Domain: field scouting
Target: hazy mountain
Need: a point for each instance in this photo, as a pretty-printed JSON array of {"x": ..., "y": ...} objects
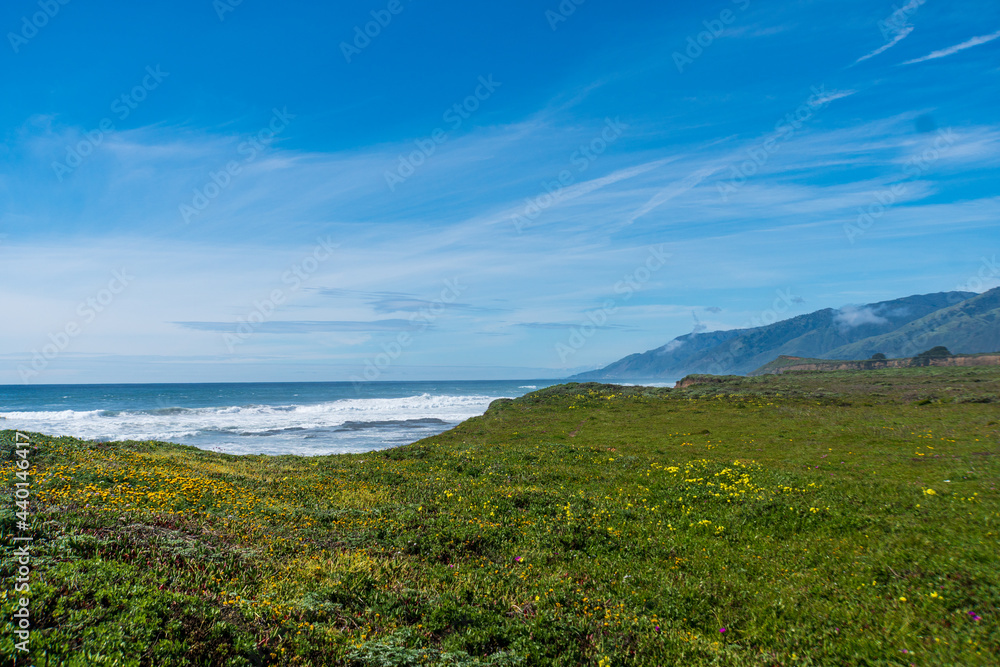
[
  {"x": 967, "y": 327},
  {"x": 961, "y": 321}
]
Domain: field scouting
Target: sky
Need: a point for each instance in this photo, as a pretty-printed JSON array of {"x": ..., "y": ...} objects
[{"x": 224, "y": 191}]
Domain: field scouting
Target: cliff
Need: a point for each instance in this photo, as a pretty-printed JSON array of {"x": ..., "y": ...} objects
[{"x": 785, "y": 364}]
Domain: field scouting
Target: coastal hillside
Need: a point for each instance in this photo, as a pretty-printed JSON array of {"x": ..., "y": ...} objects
[
  {"x": 962, "y": 321},
  {"x": 970, "y": 326},
  {"x": 799, "y": 519},
  {"x": 785, "y": 364}
]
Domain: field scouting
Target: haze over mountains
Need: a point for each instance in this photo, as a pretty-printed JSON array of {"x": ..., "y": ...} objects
[{"x": 964, "y": 322}]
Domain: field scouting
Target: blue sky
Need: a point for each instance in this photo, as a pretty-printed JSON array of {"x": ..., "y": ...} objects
[{"x": 201, "y": 191}]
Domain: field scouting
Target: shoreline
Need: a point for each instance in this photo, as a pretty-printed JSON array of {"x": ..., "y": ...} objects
[{"x": 507, "y": 538}]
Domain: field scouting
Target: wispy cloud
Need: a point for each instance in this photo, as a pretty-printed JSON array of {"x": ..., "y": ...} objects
[
  {"x": 454, "y": 219},
  {"x": 394, "y": 302},
  {"x": 699, "y": 326},
  {"x": 307, "y": 327},
  {"x": 850, "y": 317},
  {"x": 580, "y": 190},
  {"x": 758, "y": 30},
  {"x": 831, "y": 96},
  {"x": 673, "y": 190},
  {"x": 951, "y": 50},
  {"x": 900, "y": 36},
  {"x": 563, "y": 326}
]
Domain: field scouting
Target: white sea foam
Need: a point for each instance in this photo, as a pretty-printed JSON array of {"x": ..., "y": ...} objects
[{"x": 283, "y": 427}]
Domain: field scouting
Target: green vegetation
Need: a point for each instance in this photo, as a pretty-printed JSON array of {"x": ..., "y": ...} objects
[
  {"x": 938, "y": 351},
  {"x": 966, "y": 326},
  {"x": 812, "y": 518},
  {"x": 937, "y": 356},
  {"x": 784, "y": 361}
]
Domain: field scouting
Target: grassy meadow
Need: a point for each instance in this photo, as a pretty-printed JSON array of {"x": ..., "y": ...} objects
[{"x": 802, "y": 519}]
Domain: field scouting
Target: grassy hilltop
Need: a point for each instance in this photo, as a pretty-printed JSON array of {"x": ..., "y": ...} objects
[{"x": 816, "y": 518}]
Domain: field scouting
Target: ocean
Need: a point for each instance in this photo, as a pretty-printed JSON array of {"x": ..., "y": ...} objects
[{"x": 311, "y": 419}]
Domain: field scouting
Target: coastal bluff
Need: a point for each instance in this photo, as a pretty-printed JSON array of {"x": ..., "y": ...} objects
[{"x": 785, "y": 364}]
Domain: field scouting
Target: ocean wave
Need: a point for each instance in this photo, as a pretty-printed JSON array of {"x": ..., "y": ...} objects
[
  {"x": 232, "y": 423},
  {"x": 393, "y": 423}
]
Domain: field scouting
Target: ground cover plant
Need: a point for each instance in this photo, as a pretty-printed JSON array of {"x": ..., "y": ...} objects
[{"x": 809, "y": 518}]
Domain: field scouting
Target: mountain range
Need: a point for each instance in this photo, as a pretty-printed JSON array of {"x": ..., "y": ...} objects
[{"x": 964, "y": 322}]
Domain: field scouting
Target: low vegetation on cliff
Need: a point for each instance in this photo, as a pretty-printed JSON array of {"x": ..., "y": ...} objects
[
  {"x": 936, "y": 356},
  {"x": 824, "y": 518}
]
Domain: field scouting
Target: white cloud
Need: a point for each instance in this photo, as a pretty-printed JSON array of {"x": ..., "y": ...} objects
[
  {"x": 831, "y": 96},
  {"x": 757, "y": 30},
  {"x": 968, "y": 44},
  {"x": 900, "y": 36},
  {"x": 850, "y": 317},
  {"x": 671, "y": 346},
  {"x": 673, "y": 190},
  {"x": 433, "y": 228},
  {"x": 575, "y": 191}
]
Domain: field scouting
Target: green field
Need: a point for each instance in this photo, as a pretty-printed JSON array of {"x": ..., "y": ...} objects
[{"x": 802, "y": 519}]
